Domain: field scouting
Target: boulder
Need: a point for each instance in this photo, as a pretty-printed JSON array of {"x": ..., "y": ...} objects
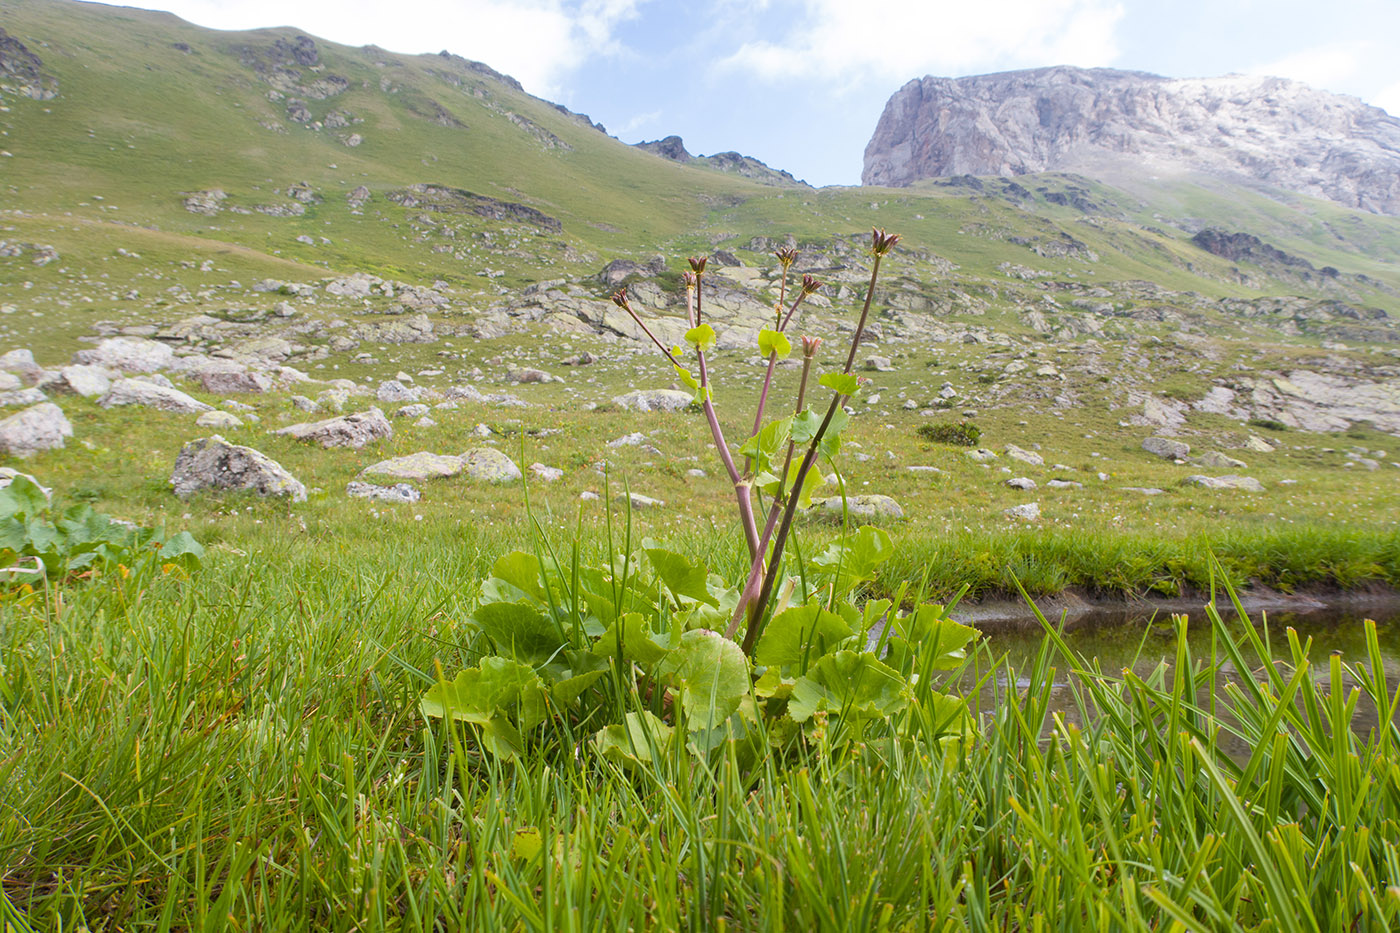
[
  {"x": 150, "y": 395},
  {"x": 418, "y": 467},
  {"x": 1021, "y": 482},
  {"x": 654, "y": 400},
  {"x": 862, "y": 508},
  {"x": 1229, "y": 481},
  {"x": 395, "y": 391},
  {"x": 1025, "y": 456},
  {"x": 354, "y": 431},
  {"x": 547, "y": 473},
  {"x": 1027, "y": 513},
  {"x": 218, "y": 419},
  {"x": 399, "y": 492},
  {"x": 487, "y": 464},
  {"x": 1166, "y": 448},
  {"x": 42, "y": 427},
  {"x": 228, "y": 383},
  {"x": 18, "y": 397},
  {"x": 213, "y": 463},
  {"x": 1214, "y": 458},
  {"x": 128, "y": 354},
  {"x": 78, "y": 379}
]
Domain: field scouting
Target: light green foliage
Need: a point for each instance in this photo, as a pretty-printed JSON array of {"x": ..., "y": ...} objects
[
  {"x": 37, "y": 543},
  {"x": 701, "y": 338},
  {"x": 500, "y": 696},
  {"x": 799, "y": 633},
  {"x": 841, "y": 383},
  {"x": 774, "y": 343},
  {"x": 853, "y": 685}
]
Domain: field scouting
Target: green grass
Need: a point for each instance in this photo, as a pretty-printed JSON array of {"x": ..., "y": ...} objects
[{"x": 244, "y": 749}]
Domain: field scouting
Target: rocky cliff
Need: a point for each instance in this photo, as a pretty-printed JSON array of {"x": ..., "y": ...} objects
[{"x": 1105, "y": 122}]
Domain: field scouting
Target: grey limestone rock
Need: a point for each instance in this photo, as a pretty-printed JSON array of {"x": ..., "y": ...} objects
[
  {"x": 227, "y": 383},
  {"x": 654, "y": 400},
  {"x": 1029, "y": 512},
  {"x": 487, "y": 464},
  {"x": 213, "y": 463},
  {"x": 150, "y": 395},
  {"x": 219, "y": 419},
  {"x": 1230, "y": 481},
  {"x": 1215, "y": 459},
  {"x": 1025, "y": 456},
  {"x": 867, "y": 508},
  {"x": 128, "y": 354},
  {"x": 353, "y": 431},
  {"x": 399, "y": 492},
  {"x": 41, "y": 427},
  {"x": 1166, "y": 448}
]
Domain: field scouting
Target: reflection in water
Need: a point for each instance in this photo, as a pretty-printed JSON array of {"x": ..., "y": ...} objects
[{"x": 1140, "y": 643}]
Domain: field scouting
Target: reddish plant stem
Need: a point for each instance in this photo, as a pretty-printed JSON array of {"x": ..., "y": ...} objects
[{"x": 770, "y": 578}]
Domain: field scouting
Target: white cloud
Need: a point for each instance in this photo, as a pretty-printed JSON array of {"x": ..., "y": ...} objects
[
  {"x": 539, "y": 42},
  {"x": 1325, "y": 66},
  {"x": 846, "y": 42},
  {"x": 1388, "y": 99}
]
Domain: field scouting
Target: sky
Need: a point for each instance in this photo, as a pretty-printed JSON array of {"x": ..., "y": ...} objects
[{"x": 800, "y": 84}]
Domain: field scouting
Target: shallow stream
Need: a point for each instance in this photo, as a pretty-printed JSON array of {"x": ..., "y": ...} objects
[{"x": 1137, "y": 639}]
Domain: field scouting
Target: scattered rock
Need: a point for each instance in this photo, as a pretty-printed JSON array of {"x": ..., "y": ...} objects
[
  {"x": 867, "y": 508},
  {"x": 981, "y": 455},
  {"x": 42, "y": 427},
  {"x": 1258, "y": 445},
  {"x": 79, "y": 379},
  {"x": 1021, "y": 482},
  {"x": 1145, "y": 490},
  {"x": 416, "y": 410},
  {"x": 150, "y": 395},
  {"x": 654, "y": 400},
  {"x": 1029, "y": 512},
  {"x": 879, "y": 364},
  {"x": 395, "y": 391},
  {"x": 30, "y": 396},
  {"x": 213, "y": 463},
  {"x": 640, "y": 501},
  {"x": 486, "y": 464},
  {"x": 419, "y": 467},
  {"x": 635, "y": 439},
  {"x": 1167, "y": 448},
  {"x": 1025, "y": 456},
  {"x": 227, "y": 382},
  {"x": 1064, "y": 484},
  {"x": 1229, "y": 481},
  {"x": 128, "y": 354},
  {"x": 218, "y": 419},
  {"x": 353, "y": 431},
  {"x": 547, "y": 473},
  {"x": 399, "y": 492},
  {"x": 1214, "y": 458}
]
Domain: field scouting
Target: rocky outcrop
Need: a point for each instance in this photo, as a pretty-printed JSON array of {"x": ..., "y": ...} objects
[
  {"x": 21, "y": 71},
  {"x": 442, "y": 199},
  {"x": 42, "y": 427},
  {"x": 213, "y": 463},
  {"x": 1095, "y": 121},
  {"x": 732, "y": 163}
]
